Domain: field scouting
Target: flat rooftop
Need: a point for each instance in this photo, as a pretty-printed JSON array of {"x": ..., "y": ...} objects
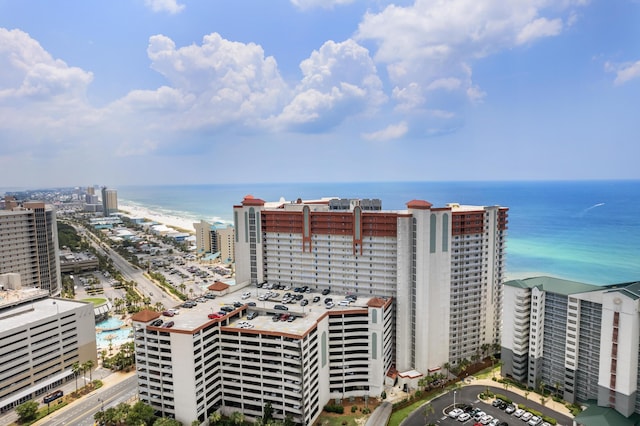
[
  {"x": 190, "y": 319},
  {"x": 31, "y": 307}
]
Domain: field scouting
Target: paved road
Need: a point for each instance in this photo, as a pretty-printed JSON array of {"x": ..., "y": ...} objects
[
  {"x": 81, "y": 412},
  {"x": 132, "y": 273},
  {"x": 469, "y": 395}
]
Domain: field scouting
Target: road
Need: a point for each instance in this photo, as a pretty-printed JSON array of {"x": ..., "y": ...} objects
[
  {"x": 469, "y": 395},
  {"x": 81, "y": 412},
  {"x": 132, "y": 273}
]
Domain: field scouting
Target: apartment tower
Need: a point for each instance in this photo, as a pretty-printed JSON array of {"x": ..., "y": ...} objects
[
  {"x": 29, "y": 245},
  {"x": 109, "y": 201},
  {"x": 443, "y": 266}
]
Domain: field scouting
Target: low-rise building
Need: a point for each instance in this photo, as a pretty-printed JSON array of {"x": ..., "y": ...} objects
[{"x": 40, "y": 339}]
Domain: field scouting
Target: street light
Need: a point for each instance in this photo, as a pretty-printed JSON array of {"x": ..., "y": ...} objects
[{"x": 454, "y": 399}]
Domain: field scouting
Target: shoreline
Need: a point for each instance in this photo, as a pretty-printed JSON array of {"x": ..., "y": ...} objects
[{"x": 179, "y": 223}]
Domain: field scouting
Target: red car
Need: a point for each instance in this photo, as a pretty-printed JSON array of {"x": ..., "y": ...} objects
[
  {"x": 168, "y": 313},
  {"x": 214, "y": 316}
]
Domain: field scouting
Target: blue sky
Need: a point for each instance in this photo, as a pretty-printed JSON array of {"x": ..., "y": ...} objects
[{"x": 170, "y": 91}]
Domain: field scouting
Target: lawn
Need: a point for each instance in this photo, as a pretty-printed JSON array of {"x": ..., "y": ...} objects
[{"x": 97, "y": 301}]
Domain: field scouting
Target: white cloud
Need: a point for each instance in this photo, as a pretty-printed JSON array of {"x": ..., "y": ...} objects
[
  {"x": 393, "y": 131},
  {"x": 431, "y": 44},
  {"x": 539, "y": 28},
  {"x": 325, "y": 4},
  {"x": 624, "y": 73},
  {"x": 339, "y": 80},
  {"x": 171, "y": 6}
]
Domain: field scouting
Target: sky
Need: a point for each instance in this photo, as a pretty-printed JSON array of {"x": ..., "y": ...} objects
[{"x": 144, "y": 92}]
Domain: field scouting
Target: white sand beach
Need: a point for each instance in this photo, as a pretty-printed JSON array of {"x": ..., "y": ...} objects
[{"x": 172, "y": 221}]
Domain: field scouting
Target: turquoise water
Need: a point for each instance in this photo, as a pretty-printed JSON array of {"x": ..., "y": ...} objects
[
  {"x": 118, "y": 337},
  {"x": 587, "y": 231},
  {"x": 110, "y": 323}
]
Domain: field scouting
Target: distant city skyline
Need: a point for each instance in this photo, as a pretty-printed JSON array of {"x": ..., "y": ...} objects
[{"x": 170, "y": 91}]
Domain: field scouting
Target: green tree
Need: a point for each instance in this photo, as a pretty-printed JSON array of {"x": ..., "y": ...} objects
[
  {"x": 140, "y": 413},
  {"x": 215, "y": 417},
  {"x": 447, "y": 366},
  {"x": 288, "y": 420},
  {"x": 27, "y": 411},
  {"x": 237, "y": 418},
  {"x": 90, "y": 364},
  {"x": 267, "y": 413},
  {"x": 75, "y": 369},
  {"x": 196, "y": 422},
  {"x": 166, "y": 422},
  {"x": 428, "y": 410}
]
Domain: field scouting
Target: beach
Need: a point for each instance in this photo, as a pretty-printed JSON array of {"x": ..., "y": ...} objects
[{"x": 169, "y": 220}]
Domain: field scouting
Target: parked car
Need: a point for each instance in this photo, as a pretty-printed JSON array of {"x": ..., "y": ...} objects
[
  {"x": 214, "y": 316},
  {"x": 280, "y": 307},
  {"x": 510, "y": 409},
  {"x": 157, "y": 323},
  {"x": 526, "y": 416},
  {"x": 168, "y": 324},
  {"x": 316, "y": 299},
  {"x": 519, "y": 412},
  {"x": 326, "y": 291},
  {"x": 455, "y": 413},
  {"x": 168, "y": 313},
  {"x": 246, "y": 295},
  {"x": 252, "y": 315},
  {"x": 535, "y": 421},
  {"x": 464, "y": 417}
]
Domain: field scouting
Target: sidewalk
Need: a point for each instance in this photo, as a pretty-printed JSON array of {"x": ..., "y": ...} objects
[
  {"x": 108, "y": 380},
  {"x": 533, "y": 396}
]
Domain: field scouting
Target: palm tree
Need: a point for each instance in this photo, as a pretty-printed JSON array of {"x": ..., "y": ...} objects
[
  {"x": 75, "y": 368},
  {"x": 447, "y": 366},
  {"x": 237, "y": 418},
  {"x": 428, "y": 410},
  {"x": 215, "y": 417},
  {"x": 485, "y": 348},
  {"x": 90, "y": 364}
]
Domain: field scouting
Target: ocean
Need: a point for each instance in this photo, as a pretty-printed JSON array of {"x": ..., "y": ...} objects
[{"x": 587, "y": 231}]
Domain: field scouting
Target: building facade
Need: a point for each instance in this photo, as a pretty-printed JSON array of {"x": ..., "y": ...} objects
[
  {"x": 29, "y": 245},
  {"x": 444, "y": 266},
  {"x": 40, "y": 340},
  {"x": 109, "y": 201},
  {"x": 215, "y": 239},
  {"x": 191, "y": 365},
  {"x": 577, "y": 340}
]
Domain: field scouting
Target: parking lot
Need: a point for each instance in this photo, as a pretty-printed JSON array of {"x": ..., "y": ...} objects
[{"x": 468, "y": 395}]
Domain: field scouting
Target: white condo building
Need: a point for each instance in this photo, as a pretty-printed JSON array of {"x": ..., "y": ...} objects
[
  {"x": 29, "y": 245},
  {"x": 40, "y": 339},
  {"x": 428, "y": 282},
  {"x": 578, "y": 340},
  {"x": 191, "y": 365},
  {"x": 444, "y": 266}
]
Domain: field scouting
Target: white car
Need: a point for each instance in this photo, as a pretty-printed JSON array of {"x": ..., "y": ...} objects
[
  {"x": 464, "y": 417},
  {"x": 526, "y": 416},
  {"x": 486, "y": 419},
  {"x": 535, "y": 421},
  {"x": 519, "y": 412},
  {"x": 455, "y": 413},
  {"x": 246, "y": 295},
  {"x": 494, "y": 422},
  {"x": 479, "y": 415}
]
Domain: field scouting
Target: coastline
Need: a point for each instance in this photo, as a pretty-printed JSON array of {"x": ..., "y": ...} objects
[{"x": 179, "y": 223}]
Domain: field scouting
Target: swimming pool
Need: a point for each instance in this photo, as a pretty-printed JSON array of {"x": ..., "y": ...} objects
[{"x": 114, "y": 332}]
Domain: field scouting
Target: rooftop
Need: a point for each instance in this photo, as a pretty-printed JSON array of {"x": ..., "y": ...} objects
[{"x": 192, "y": 319}]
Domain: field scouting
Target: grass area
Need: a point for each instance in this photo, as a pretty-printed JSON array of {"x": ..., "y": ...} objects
[
  {"x": 398, "y": 416},
  {"x": 97, "y": 301}
]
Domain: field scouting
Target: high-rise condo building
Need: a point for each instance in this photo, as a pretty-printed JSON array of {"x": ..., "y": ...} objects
[
  {"x": 40, "y": 339},
  {"x": 109, "y": 201},
  {"x": 577, "y": 340},
  {"x": 215, "y": 239},
  {"x": 364, "y": 297},
  {"x": 29, "y": 245},
  {"x": 443, "y": 266}
]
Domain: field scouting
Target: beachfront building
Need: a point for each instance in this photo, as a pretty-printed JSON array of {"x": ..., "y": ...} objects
[
  {"x": 40, "y": 339},
  {"x": 442, "y": 266},
  {"x": 193, "y": 364},
  {"x": 29, "y": 245},
  {"x": 109, "y": 201},
  {"x": 577, "y": 340},
  {"x": 215, "y": 239}
]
